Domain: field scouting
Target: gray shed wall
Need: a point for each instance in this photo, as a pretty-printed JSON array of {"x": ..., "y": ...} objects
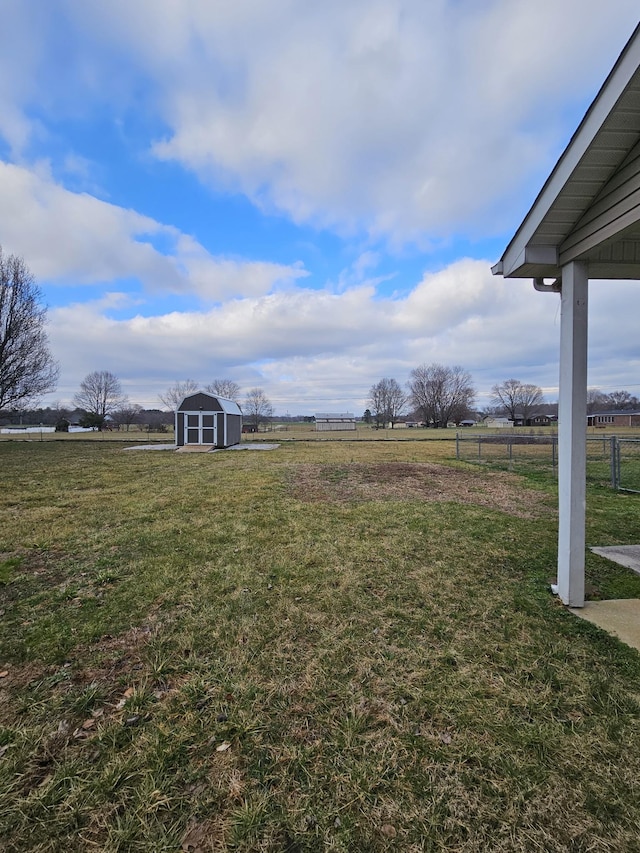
[{"x": 234, "y": 429}]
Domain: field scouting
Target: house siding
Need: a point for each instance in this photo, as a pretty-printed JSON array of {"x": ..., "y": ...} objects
[{"x": 614, "y": 419}]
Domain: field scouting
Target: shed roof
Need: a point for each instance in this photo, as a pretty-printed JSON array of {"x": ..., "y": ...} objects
[
  {"x": 589, "y": 207},
  {"x": 228, "y": 406}
]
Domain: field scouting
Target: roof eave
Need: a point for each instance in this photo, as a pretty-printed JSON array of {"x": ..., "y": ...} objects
[
  {"x": 531, "y": 262},
  {"x": 513, "y": 263}
]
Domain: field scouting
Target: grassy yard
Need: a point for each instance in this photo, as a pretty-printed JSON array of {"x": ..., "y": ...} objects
[{"x": 327, "y": 647}]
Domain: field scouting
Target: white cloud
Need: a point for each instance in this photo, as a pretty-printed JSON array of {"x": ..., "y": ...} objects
[
  {"x": 393, "y": 119},
  {"x": 315, "y": 349},
  {"x": 410, "y": 119},
  {"x": 407, "y": 118},
  {"x": 77, "y": 238}
]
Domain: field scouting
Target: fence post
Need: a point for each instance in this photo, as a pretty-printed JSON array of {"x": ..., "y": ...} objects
[
  {"x": 554, "y": 441},
  {"x": 479, "y": 444},
  {"x": 457, "y": 445},
  {"x": 614, "y": 463}
]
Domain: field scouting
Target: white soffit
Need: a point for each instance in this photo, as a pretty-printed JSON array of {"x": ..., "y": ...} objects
[{"x": 589, "y": 207}]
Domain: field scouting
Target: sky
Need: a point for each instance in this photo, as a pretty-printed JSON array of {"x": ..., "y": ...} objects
[{"x": 301, "y": 197}]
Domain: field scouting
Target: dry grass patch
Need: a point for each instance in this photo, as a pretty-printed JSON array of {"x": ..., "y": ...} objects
[{"x": 408, "y": 481}]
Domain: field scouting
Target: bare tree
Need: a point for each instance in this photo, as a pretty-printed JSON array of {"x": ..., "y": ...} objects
[
  {"x": 257, "y": 408},
  {"x": 100, "y": 394},
  {"x": 505, "y": 397},
  {"x": 441, "y": 393},
  {"x": 621, "y": 400},
  {"x": 517, "y": 398},
  {"x": 174, "y": 395},
  {"x": 127, "y": 415},
  {"x": 27, "y": 369},
  {"x": 595, "y": 400},
  {"x": 226, "y": 388},
  {"x": 388, "y": 401}
]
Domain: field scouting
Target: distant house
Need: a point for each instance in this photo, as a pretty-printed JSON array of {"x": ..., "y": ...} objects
[
  {"x": 203, "y": 418},
  {"x": 614, "y": 419},
  {"x": 494, "y": 422},
  {"x": 467, "y": 423},
  {"x": 539, "y": 420},
  {"x": 328, "y": 422}
]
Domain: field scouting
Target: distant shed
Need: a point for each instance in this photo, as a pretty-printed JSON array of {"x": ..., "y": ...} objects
[
  {"x": 327, "y": 422},
  {"x": 203, "y": 418}
]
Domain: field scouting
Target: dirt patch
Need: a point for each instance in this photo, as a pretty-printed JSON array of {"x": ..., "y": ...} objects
[
  {"x": 404, "y": 481},
  {"x": 109, "y": 662}
]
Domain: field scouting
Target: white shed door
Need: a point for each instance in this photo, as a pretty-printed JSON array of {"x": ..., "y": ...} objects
[{"x": 200, "y": 428}]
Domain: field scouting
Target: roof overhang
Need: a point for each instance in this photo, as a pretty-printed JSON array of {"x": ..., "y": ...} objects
[{"x": 589, "y": 208}]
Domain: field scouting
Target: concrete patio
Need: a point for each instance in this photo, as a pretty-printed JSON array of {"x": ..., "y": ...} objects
[{"x": 620, "y": 617}]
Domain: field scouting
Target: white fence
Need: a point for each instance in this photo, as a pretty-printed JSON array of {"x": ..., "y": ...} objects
[{"x": 39, "y": 429}]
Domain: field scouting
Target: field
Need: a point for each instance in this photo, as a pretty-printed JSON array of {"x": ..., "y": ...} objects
[
  {"x": 331, "y": 646},
  {"x": 294, "y": 431}
]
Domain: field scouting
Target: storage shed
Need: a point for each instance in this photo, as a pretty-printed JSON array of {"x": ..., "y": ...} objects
[
  {"x": 334, "y": 422},
  {"x": 205, "y": 419}
]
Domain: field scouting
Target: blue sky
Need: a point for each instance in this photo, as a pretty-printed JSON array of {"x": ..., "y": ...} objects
[{"x": 300, "y": 197}]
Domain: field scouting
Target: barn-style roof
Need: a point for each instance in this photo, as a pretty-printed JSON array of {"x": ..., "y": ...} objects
[
  {"x": 589, "y": 208},
  {"x": 210, "y": 402}
]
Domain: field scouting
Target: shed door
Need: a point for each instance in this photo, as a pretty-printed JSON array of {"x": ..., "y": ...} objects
[{"x": 199, "y": 428}]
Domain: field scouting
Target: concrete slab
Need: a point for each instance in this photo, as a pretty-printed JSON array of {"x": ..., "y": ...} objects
[
  {"x": 203, "y": 448},
  {"x": 625, "y": 555},
  {"x": 151, "y": 447},
  {"x": 261, "y": 446},
  {"x": 620, "y": 617}
]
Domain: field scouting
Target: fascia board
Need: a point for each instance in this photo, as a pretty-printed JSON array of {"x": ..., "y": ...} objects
[{"x": 543, "y": 257}]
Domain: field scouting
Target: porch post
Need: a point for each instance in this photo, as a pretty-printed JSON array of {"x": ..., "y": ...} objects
[{"x": 572, "y": 434}]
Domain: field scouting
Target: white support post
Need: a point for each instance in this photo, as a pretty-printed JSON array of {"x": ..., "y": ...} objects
[{"x": 572, "y": 434}]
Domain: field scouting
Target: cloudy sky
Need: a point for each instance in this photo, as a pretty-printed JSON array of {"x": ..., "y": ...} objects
[{"x": 302, "y": 197}]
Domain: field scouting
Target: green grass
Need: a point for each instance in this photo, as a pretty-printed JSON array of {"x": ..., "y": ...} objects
[{"x": 331, "y": 646}]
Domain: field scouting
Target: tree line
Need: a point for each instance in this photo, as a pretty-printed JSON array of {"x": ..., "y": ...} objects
[
  {"x": 437, "y": 393},
  {"x": 28, "y": 369},
  {"x": 101, "y": 399},
  {"x": 103, "y": 405}
]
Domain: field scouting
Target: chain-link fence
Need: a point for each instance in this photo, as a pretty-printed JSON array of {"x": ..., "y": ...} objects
[
  {"x": 627, "y": 464},
  {"x": 610, "y": 460}
]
